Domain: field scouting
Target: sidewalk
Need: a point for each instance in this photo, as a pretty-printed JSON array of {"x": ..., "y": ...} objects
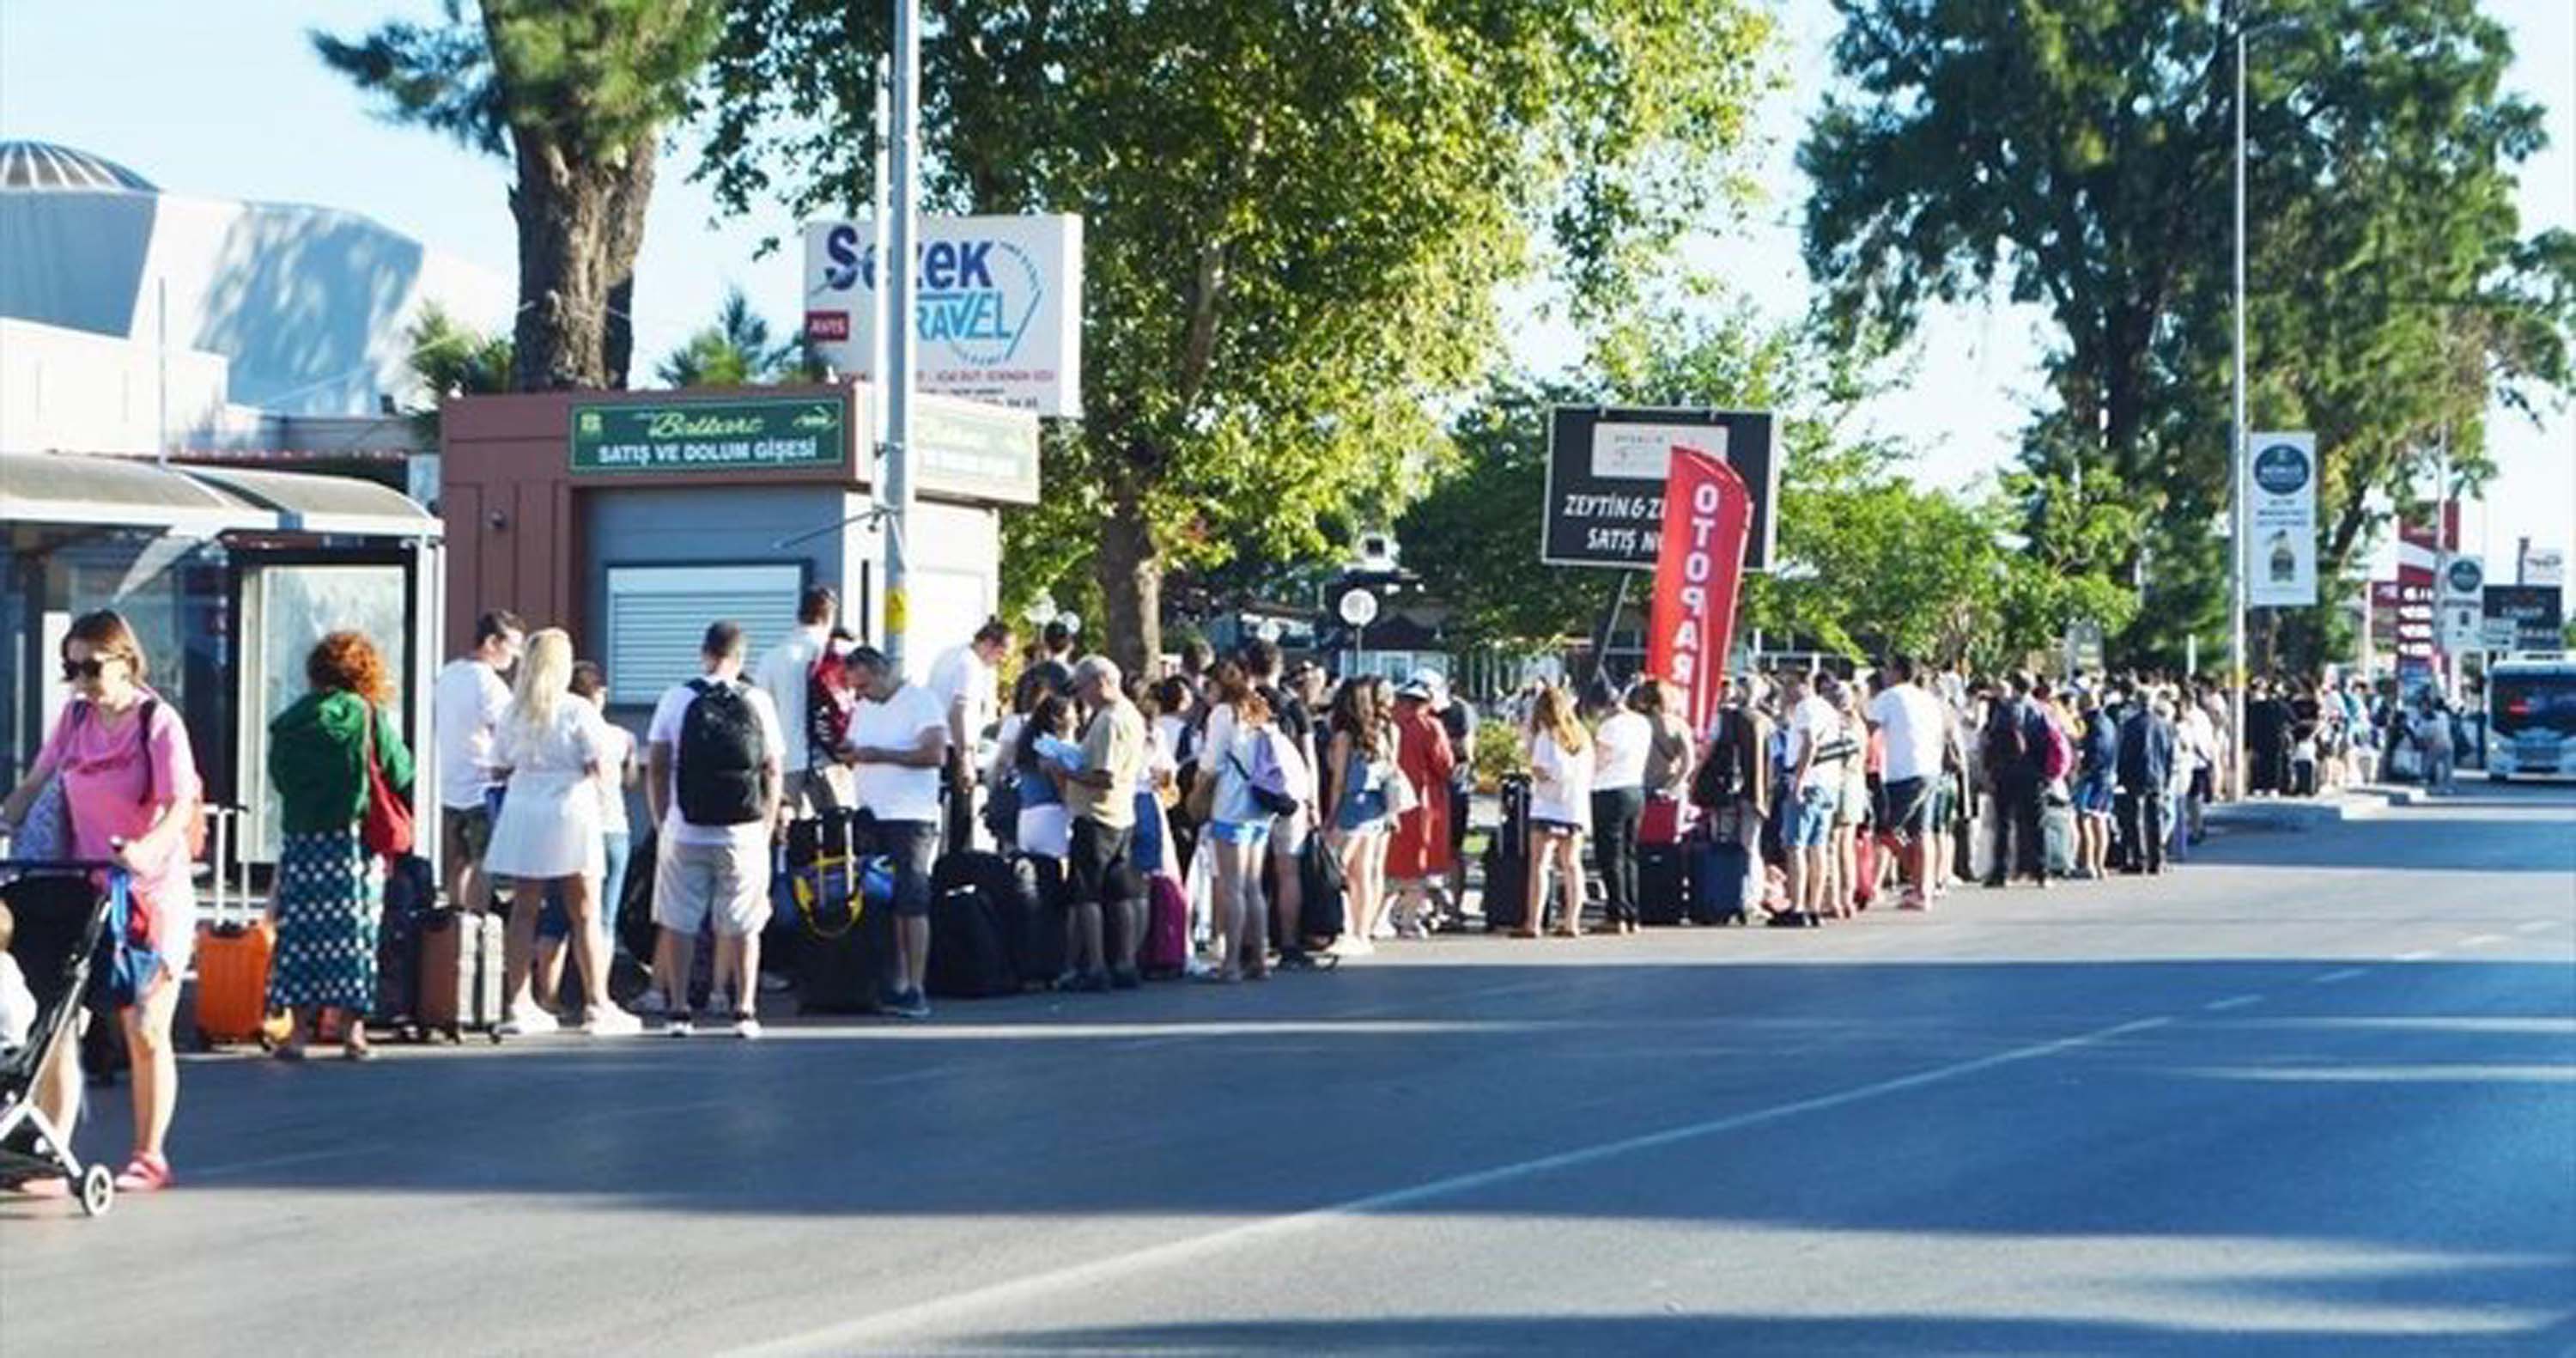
[{"x": 2363, "y": 801}]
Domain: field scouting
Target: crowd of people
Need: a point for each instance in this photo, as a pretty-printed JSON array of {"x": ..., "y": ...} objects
[{"x": 1245, "y": 784}]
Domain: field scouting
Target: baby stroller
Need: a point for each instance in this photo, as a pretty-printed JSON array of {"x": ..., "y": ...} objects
[{"x": 64, "y": 912}]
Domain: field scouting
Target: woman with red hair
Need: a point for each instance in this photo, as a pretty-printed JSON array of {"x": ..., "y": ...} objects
[{"x": 330, "y": 890}]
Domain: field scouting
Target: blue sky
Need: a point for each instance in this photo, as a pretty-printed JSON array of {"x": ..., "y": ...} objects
[{"x": 226, "y": 100}]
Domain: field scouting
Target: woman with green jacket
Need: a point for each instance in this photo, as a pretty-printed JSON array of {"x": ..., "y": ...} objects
[{"x": 330, "y": 890}]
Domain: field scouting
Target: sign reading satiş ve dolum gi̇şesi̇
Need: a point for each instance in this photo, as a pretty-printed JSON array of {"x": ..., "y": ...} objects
[{"x": 782, "y": 433}]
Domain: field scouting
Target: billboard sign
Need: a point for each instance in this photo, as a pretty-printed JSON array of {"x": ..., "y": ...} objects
[
  {"x": 997, "y": 312},
  {"x": 2522, "y": 617},
  {"x": 2281, "y": 500},
  {"x": 1606, "y": 470}
]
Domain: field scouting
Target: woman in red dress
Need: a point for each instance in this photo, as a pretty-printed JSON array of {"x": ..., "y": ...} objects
[{"x": 1419, "y": 858}]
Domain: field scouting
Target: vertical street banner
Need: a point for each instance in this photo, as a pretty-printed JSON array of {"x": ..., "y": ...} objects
[
  {"x": 2281, "y": 513},
  {"x": 1699, "y": 577}
]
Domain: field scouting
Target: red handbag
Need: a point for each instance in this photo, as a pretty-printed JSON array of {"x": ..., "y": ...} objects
[{"x": 387, "y": 829}]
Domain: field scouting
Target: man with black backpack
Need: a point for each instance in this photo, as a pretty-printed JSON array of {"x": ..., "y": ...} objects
[{"x": 714, "y": 790}]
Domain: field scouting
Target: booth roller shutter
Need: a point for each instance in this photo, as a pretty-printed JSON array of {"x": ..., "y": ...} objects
[{"x": 658, "y": 616}]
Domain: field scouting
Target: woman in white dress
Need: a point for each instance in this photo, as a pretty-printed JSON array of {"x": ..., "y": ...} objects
[{"x": 548, "y": 833}]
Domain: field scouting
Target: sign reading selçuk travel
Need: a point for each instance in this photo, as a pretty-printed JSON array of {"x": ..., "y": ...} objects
[{"x": 778, "y": 433}]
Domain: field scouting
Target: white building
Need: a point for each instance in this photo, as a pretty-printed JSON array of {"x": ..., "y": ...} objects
[{"x": 247, "y": 316}]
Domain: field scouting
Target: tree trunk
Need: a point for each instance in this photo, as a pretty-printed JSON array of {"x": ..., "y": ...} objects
[
  {"x": 567, "y": 218},
  {"x": 1130, "y": 570},
  {"x": 633, "y": 193}
]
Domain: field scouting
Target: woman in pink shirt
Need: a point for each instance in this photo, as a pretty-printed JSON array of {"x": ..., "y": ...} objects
[{"x": 130, "y": 786}]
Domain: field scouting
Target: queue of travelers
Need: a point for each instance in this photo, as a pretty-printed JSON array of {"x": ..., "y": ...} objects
[{"x": 1240, "y": 783}]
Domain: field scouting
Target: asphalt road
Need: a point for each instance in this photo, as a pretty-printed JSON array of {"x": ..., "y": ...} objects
[{"x": 2315, "y": 1094}]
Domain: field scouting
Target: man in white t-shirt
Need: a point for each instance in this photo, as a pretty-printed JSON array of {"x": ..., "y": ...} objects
[
  {"x": 899, "y": 742},
  {"x": 1911, "y": 723},
  {"x": 962, "y": 680},
  {"x": 785, "y": 674},
  {"x": 713, "y": 786},
  {"x": 466, "y": 707},
  {"x": 1815, "y": 787}
]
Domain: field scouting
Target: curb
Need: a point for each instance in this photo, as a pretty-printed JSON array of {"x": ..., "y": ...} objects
[{"x": 2367, "y": 802}]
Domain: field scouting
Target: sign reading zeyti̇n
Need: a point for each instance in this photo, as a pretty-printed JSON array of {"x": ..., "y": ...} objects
[
  {"x": 780, "y": 433},
  {"x": 997, "y": 314},
  {"x": 1606, "y": 480},
  {"x": 2281, "y": 505}
]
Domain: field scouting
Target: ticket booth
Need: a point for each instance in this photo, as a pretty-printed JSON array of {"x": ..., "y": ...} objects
[{"x": 634, "y": 519}]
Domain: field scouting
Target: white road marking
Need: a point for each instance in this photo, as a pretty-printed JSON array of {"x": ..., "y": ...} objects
[
  {"x": 2231, "y": 1002},
  {"x": 856, "y": 1335},
  {"x": 2481, "y": 940},
  {"x": 2333, "y": 977}
]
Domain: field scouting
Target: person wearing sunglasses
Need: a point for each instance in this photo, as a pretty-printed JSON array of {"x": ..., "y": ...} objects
[{"x": 131, "y": 791}]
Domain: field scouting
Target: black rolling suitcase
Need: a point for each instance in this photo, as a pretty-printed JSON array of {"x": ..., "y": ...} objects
[
  {"x": 1506, "y": 892},
  {"x": 968, "y": 958},
  {"x": 1663, "y": 884},
  {"x": 844, "y": 934},
  {"x": 410, "y": 892},
  {"x": 1026, "y": 926}
]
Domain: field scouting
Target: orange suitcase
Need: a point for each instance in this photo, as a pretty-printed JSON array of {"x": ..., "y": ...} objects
[{"x": 232, "y": 984}]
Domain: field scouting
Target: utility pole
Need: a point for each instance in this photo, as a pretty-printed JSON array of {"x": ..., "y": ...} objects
[
  {"x": 2236, "y": 460},
  {"x": 897, "y": 284}
]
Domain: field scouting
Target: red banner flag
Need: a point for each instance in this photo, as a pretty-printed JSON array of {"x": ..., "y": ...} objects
[{"x": 1699, "y": 577}]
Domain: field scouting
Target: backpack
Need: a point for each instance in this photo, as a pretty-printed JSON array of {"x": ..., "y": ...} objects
[
  {"x": 830, "y": 702},
  {"x": 1720, "y": 779},
  {"x": 720, "y": 757},
  {"x": 2061, "y": 751},
  {"x": 2007, "y": 740},
  {"x": 1267, "y": 778}
]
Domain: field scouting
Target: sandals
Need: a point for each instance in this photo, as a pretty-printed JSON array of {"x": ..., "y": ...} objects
[
  {"x": 358, "y": 1052},
  {"x": 144, "y": 1174}
]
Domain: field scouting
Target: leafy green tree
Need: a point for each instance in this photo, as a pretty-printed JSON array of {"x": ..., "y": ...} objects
[
  {"x": 738, "y": 350},
  {"x": 577, "y": 93},
  {"x": 449, "y": 360},
  {"x": 1297, "y": 217},
  {"x": 2079, "y": 156}
]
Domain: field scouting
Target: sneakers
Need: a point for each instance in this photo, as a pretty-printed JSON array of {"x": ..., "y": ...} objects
[
  {"x": 748, "y": 1029},
  {"x": 530, "y": 1022},
  {"x": 612, "y": 1022},
  {"x": 680, "y": 1025},
  {"x": 908, "y": 1004}
]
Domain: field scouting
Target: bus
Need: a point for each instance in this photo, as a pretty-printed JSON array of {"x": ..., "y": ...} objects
[{"x": 2531, "y": 715}]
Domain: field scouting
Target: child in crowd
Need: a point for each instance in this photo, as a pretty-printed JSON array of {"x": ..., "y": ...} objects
[{"x": 17, "y": 1003}]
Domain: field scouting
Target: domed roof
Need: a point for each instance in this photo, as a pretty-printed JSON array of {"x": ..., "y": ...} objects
[{"x": 43, "y": 165}]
